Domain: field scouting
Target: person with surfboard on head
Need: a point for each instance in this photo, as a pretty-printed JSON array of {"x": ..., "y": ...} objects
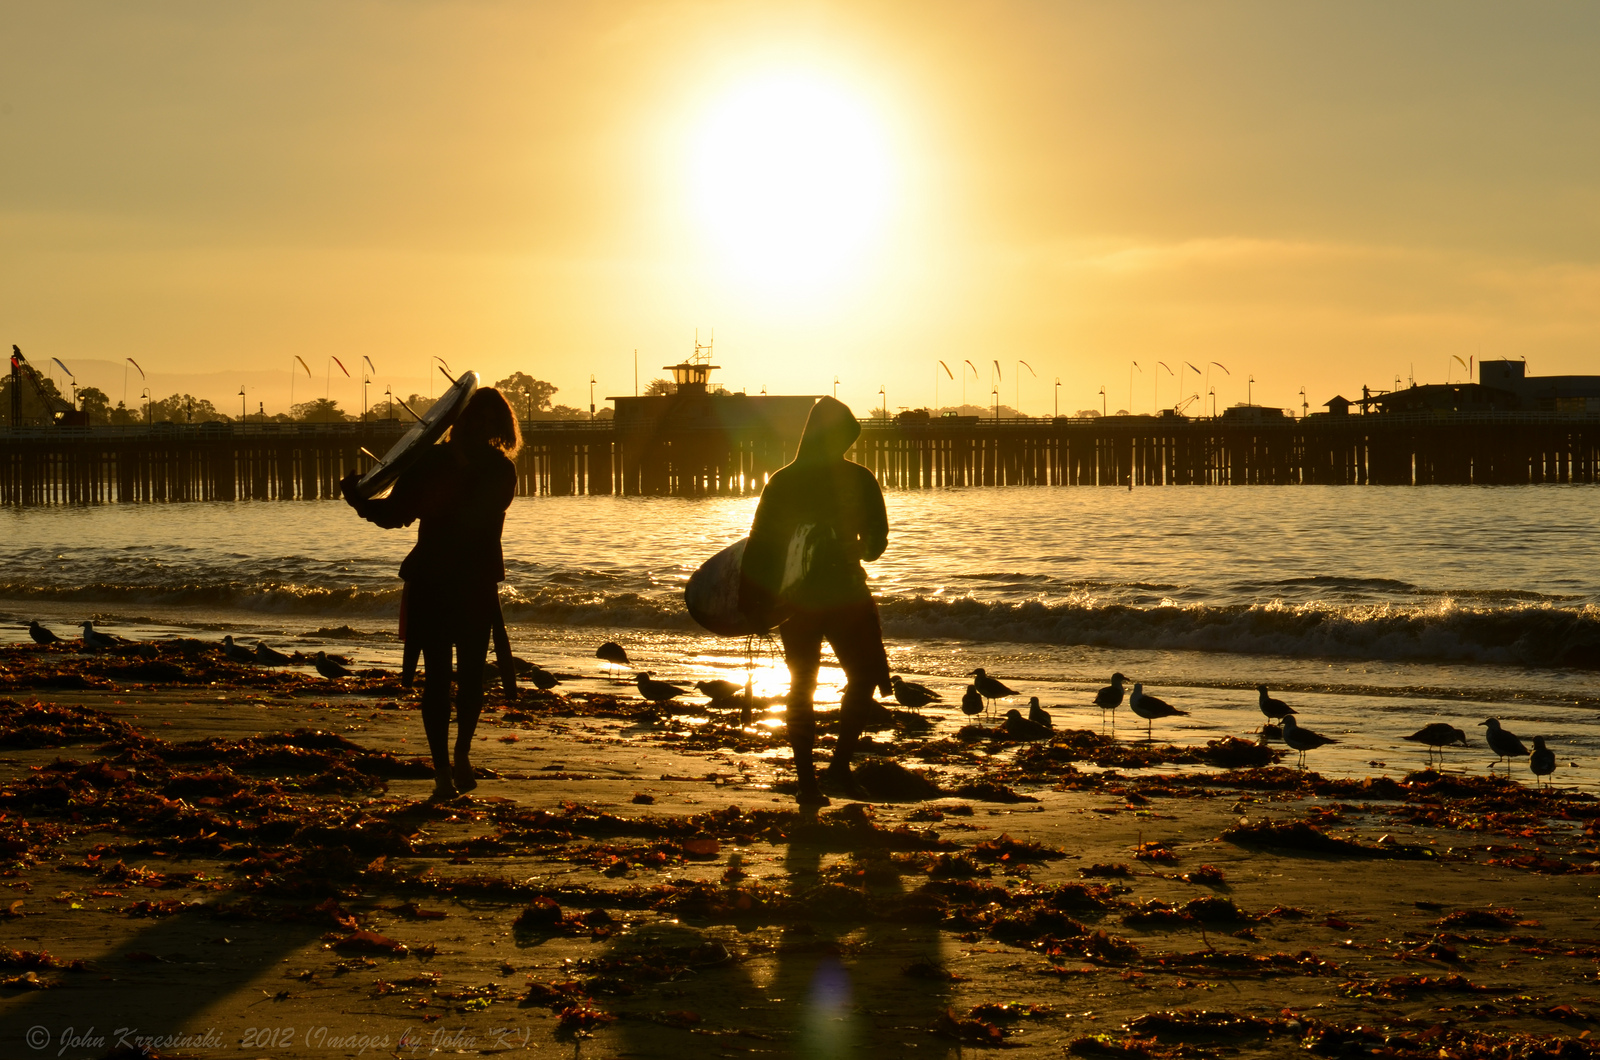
[
  {"x": 819, "y": 517},
  {"x": 459, "y": 490}
]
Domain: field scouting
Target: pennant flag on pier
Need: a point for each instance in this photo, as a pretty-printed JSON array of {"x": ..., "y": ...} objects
[
  {"x": 946, "y": 368},
  {"x": 64, "y": 368},
  {"x": 370, "y": 365},
  {"x": 136, "y": 365},
  {"x": 342, "y": 368},
  {"x": 997, "y": 374},
  {"x": 303, "y": 365}
]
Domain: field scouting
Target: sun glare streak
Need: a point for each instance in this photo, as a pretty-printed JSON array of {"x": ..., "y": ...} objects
[{"x": 790, "y": 182}]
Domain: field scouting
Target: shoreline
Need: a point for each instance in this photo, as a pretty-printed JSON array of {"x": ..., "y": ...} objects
[{"x": 628, "y": 884}]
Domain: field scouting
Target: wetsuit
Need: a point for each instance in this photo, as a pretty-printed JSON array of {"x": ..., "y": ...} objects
[
  {"x": 819, "y": 517},
  {"x": 460, "y": 493}
]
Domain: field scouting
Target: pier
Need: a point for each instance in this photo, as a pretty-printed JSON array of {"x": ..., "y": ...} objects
[{"x": 273, "y": 461}]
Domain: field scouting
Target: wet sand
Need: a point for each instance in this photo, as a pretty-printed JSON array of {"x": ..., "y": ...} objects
[{"x": 229, "y": 862}]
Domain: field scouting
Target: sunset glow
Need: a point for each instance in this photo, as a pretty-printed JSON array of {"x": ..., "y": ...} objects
[{"x": 790, "y": 178}]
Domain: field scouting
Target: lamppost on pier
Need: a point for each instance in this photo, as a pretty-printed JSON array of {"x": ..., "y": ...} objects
[
  {"x": 997, "y": 404},
  {"x": 146, "y": 395},
  {"x": 1103, "y": 411},
  {"x": 835, "y": 386},
  {"x": 1058, "y": 397},
  {"x": 591, "y": 399},
  {"x": 242, "y": 413},
  {"x": 883, "y": 402}
]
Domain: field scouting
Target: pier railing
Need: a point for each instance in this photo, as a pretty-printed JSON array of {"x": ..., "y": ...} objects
[{"x": 279, "y": 461}]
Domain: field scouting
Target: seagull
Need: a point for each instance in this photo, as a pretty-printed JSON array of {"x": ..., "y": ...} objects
[
  {"x": 656, "y": 691},
  {"x": 542, "y": 679},
  {"x": 1503, "y": 744},
  {"x": 41, "y": 635},
  {"x": 1110, "y": 698},
  {"x": 910, "y": 694},
  {"x": 971, "y": 701},
  {"x": 1150, "y": 708},
  {"x": 1302, "y": 740},
  {"x": 270, "y": 656},
  {"x": 235, "y": 652},
  {"x": 1437, "y": 736},
  {"x": 612, "y": 653},
  {"x": 718, "y": 690},
  {"x": 1274, "y": 709},
  {"x": 988, "y": 687},
  {"x": 1038, "y": 715},
  {"x": 94, "y": 640},
  {"x": 1543, "y": 762},
  {"x": 1021, "y": 728},
  {"x": 328, "y": 668}
]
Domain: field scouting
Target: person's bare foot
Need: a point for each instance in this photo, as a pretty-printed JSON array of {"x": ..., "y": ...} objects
[
  {"x": 464, "y": 779},
  {"x": 443, "y": 790}
]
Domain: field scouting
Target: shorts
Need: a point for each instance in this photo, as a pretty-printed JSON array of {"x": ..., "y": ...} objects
[{"x": 854, "y": 633}]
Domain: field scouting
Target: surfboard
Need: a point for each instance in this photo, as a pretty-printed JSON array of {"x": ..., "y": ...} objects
[
  {"x": 427, "y": 430},
  {"x": 712, "y": 595}
]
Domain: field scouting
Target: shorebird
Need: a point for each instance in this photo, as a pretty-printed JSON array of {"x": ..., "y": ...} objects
[
  {"x": 1038, "y": 715},
  {"x": 1302, "y": 740},
  {"x": 1437, "y": 736},
  {"x": 656, "y": 691},
  {"x": 94, "y": 640},
  {"x": 237, "y": 653},
  {"x": 718, "y": 690},
  {"x": 1274, "y": 709},
  {"x": 910, "y": 694},
  {"x": 1543, "y": 762},
  {"x": 1110, "y": 698},
  {"x": 327, "y": 667},
  {"x": 542, "y": 679},
  {"x": 1021, "y": 728},
  {"x": 612, "y": 653},
  {"x": 988, "y": 687},
  {"x": 270, "y": 656},
  {"x": 41, "y": 635},
  {"x": 971, "y": 701},
  {"x": 1150, "y": 708},
  {"x": 1504, "y": 744}
]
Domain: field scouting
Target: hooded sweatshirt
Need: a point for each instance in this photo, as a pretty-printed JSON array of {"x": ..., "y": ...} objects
[{"x": 819, "y": 517}]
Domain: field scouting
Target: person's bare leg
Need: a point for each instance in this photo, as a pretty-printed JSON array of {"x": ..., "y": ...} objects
[
  {"x": 436, "y": 715},
  {"x": 803, "y": 653},
  {"x": 471, "y": 655}
]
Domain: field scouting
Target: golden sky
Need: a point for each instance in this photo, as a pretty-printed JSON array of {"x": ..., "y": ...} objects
[{"x": 1316, "y": 194}]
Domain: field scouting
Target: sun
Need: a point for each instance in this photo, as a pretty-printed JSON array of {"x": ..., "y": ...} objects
[{"x": 790, "y": 180}]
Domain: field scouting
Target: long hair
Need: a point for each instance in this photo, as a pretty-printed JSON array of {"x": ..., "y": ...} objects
[{"x": 488, "y": 419}]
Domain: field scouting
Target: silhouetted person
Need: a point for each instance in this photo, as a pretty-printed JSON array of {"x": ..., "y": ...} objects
[
  {"x": 819, "y": 517},
  {"x": 460, "y": 491}
]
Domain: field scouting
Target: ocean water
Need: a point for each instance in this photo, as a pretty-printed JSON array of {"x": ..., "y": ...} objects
[{"x": 1371, "y": 610}]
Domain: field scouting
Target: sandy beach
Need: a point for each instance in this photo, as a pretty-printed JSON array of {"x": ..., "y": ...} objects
[{"x": 210, "y": 860}]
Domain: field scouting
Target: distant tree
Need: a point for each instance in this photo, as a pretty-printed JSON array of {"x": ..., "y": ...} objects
[
  {"x": 122, "y": 415},
  {"x": 94, "y": 402},
  {"x": 525, "y": 394},
  {"x": 185, "y": 408},
  {"x": 565, "y": 412},
  {"x": 419, "y": 404},
  {"x": 659, "y": 387},
  {"x": 33, "y": 410},
  {"x": 318, "y": 410}
]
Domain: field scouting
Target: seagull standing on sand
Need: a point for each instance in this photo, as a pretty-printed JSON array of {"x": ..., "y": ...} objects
[
  {"x": 1274, "y": 709},
  {"x": 1110, "y": 698},
  {"x": 1038, "y": 715},
  {"x": 328, "y": 668},
  {"x": 971, "y": 701},
  {"x": 717, "y": 690},
  {"x": 1150, "y": 708},
  {"x": 657, "y": 692},
  {"x": 237, "y": 653},
  {"x": 912, "y": 695},
  {"x": 41, "y": 635},
  {"x": 1543, "y": 762},
  {"x": 270, "y": 656},
  {"x": 1437, "y": 736},
  {"x": 542, "y": 679},
  {"x": 94, "y": 640},
  {"x": 612, "y": 653},
  {"x": 1302, "y": 740},
  {"x": 988, "y": 687},
  {"x": 1504, "y": 744}
]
